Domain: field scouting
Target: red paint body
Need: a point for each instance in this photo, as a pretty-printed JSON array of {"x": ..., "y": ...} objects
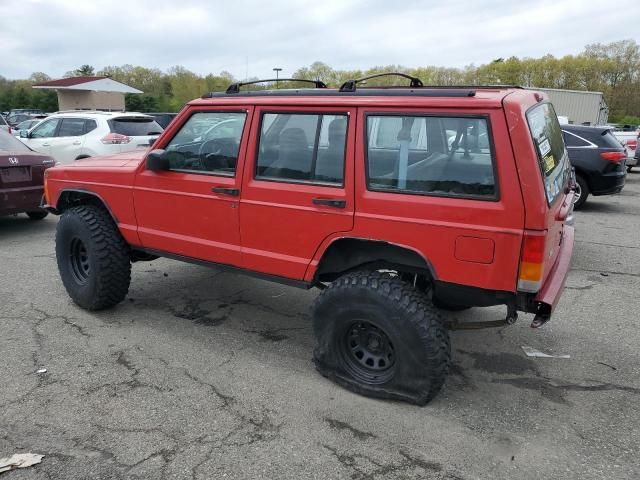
[{"x": 274, "y": 227}]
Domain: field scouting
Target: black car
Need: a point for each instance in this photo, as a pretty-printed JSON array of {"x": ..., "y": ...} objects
[
  {"x": 163, "y": 119},
  {"x": 598, "y": 159}
]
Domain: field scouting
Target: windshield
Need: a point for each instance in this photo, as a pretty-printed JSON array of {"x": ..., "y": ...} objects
[
  {"x": 552, "y": 155},
  {"x": 9, "y": 143},
  {"x": 135, "y": 126}
]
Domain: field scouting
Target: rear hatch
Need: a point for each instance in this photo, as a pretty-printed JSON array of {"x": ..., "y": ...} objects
[
  {"x": 19, "y": 165},
  {"x": 134, "y": 132},
  {"x": 555, "y": 171}
]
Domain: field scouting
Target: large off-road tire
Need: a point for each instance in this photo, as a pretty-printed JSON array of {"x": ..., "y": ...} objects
[
  {"x": 93, "y": 258},
  {"x": 378, "y": 336},
  {"x": 581, "y": 192},
  {"x": 37, "y": 214}
]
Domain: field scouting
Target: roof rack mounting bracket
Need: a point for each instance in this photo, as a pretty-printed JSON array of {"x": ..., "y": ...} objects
[
  {"x": 235, "y": 87},
  {"x": 350, "y": 85}
]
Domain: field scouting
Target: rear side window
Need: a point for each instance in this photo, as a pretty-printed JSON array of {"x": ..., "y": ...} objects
[
  {"x": 572, "y": 140},
  {"x": 430, "y": 155},
  {"x": 306, "y": 148},
  {"x": 135, "y": 126},
  {"x": 71, "y": 127},
  {"x": 547, "y": 138}
]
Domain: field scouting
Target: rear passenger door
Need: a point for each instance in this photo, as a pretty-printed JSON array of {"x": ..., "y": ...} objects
[
  {"x": 297, "y": 188},
  {"x": 66, "y": 146}
]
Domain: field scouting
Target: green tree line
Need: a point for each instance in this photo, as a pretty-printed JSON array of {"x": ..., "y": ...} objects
[{"x": 612, "y": 68}]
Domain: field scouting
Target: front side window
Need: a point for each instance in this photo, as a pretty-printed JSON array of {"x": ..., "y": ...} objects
[
  {"x": 552, "y": 155},
  {"x": 46, "y": 129},
  {"x": 208, "y": 142},
  {"x": 307, "y": 148},
  {"x": 71, "y": 127},
  {"x": 429, "y": 155}
]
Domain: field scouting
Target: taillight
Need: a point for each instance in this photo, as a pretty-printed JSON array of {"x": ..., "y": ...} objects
[
  {"x": 115, "y": 139},
  {"x": 615, "y": 157},
  {"x": 46, "y": 188},
  {"x": 531, "y": 262},
  {"x": 633, "y": 143}
]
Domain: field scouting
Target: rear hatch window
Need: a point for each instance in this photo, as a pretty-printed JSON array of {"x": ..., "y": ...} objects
[
  {"x": 10, "y": 144},
  {"x": 135, "y": 126},
  {"x": 552, "y": 156}
]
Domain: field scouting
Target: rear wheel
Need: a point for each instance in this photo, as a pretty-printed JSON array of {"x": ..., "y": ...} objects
[
  {"x": 93, "y": 258},
  {"x": 629, "y": 168},
  {"x": 37, "y": 214},
  {"x": 581, "y": 192},
  {"x": 378, "y": 336}
]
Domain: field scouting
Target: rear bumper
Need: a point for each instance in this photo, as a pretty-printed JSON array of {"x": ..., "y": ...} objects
[
  {"x": 549, "y": 295},
  {"x": 608, "y": 183},
  {"x": 18, "y": 200}
]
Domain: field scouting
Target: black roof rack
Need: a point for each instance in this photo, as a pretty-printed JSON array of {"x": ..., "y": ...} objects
[
  {"x": 350, "y": 85},
  {"x": 235, "y": 87}
]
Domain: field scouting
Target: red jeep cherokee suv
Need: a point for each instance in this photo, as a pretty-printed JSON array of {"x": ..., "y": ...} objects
[{"x": 397, "y": 203}]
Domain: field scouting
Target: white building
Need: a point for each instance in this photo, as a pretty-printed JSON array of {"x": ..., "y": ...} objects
[{"x": 89, "y": 93}]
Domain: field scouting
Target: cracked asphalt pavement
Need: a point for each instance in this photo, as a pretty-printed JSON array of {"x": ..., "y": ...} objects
[{"x": 203, "y": 374}]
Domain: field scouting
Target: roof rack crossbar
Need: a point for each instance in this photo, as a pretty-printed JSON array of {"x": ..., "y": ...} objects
[
  {"x": 350, "y": 85},
  {"x": 235, "y": 87}
]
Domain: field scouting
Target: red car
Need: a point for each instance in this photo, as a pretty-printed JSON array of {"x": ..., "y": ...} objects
[
  {"x": 21, "y": 178},
  {"x": 398, "y": 203}
]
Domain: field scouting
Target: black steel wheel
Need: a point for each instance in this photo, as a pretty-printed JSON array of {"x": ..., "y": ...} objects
[
  {"x": 378, "y": 336},
  {"x": 368, "y": 351},
  {"x": 93, "y": 258},
  {"x": 79, "y": 261}
]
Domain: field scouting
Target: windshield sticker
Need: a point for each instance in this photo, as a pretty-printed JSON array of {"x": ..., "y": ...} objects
[
  {"x": 549, "y": 163},
  {"x": 545, "y": 146}
]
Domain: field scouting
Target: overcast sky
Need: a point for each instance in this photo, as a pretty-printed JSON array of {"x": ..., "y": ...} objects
[{"x": 55, "y": 36}]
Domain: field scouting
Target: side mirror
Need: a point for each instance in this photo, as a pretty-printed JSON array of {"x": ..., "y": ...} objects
[
  {"x": 157, "y": 160},
  {"x": 24, "y": 133}
]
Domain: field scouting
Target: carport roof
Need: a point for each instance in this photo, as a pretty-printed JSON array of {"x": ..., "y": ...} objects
[{"x": 98, "y": 84}]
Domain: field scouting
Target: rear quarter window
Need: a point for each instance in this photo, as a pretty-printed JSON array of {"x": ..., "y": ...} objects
[
  {"x": 135, "y": 126},
  {"x": 549, "y": 144}
]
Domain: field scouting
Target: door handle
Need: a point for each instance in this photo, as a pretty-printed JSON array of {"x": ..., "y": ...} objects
[
  {"x": 77, "y": 142},
  {"x": 46, "y": 144},
  {"x": 330, "y": 202},
  {"x": 234, "y": 192}
]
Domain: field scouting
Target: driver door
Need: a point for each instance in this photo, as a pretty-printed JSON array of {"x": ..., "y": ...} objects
[
  {"x": 191, "y": 209},
  {"x": 40, "y": 137}
]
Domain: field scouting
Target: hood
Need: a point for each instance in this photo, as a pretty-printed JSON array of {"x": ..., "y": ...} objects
[{"x": 118, "y": 160}]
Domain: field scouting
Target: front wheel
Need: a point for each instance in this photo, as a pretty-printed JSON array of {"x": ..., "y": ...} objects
[
  {"x": 93, "y": 258},
  {"x": 378, "y": 336}
]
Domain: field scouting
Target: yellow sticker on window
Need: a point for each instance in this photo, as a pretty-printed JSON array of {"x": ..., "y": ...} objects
[{"x": 549, "y": 163}]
